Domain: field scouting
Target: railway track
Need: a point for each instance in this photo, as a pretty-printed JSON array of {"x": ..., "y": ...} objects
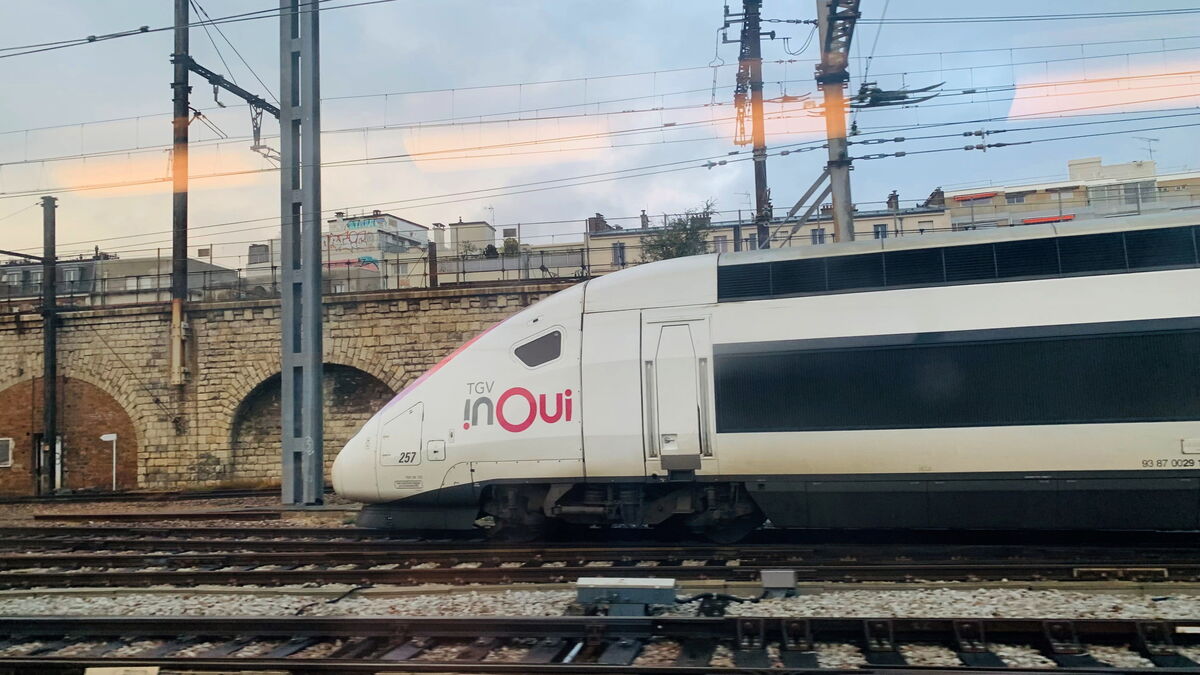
[
  {"x": 174, "y": 496},
  {"x": 583, "y": 644},
  {"x": 146, "y": 556}
]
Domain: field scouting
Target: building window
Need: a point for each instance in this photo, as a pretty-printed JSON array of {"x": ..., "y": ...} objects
[
  {"x": 881, "y": 231},
  {"x": 259, "y": 253},
  {"x": 1136, "y": 193},
  {"x": 721, "y": 244},
  {"x": 618, "y": 254},
  {"x": 818, "y": 235},
  {"x": 924, "y": 226},
  {"x": 540, "y": 350},
  {"x": 1015, "y": 199},
  {"x": 6, "y": 446}
]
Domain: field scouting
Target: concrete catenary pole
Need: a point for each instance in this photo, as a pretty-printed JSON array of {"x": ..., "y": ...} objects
[
  {"x": 47, "y": 467},
  {"x": 752, "y": 57},
  {"x": 835, "y": 23},
  {"x": 300, "y": 191},
  {"x": 179, "y": 184}
]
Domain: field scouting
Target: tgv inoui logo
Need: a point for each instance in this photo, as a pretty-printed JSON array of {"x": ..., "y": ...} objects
[{"x": 516, "y": 409}]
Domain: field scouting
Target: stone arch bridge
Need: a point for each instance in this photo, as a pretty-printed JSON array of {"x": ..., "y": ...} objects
[{"x": 221, "y": 428}]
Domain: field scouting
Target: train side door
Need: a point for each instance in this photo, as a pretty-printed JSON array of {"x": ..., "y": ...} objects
[
  {"x": 677, "y": 379},
  {"x": 400, "y": 452}
]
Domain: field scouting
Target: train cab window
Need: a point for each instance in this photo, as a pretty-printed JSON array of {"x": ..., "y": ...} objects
[{"x": 539, "y": 350}]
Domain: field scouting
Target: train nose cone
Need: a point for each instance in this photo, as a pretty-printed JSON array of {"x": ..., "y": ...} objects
[{"x": 354, "y": 470}]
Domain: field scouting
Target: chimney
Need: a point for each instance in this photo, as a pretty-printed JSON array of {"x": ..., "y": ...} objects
[
  {"x": 645, "y": 220},
  {"x": 597, "y": 223}
]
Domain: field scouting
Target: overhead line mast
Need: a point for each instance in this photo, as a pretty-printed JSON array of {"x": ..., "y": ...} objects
[
  {"x": 299, "y": 114},
  {"x": 835, "y": 23},
  {"x": 749, "y": 81},
  {"x": 179, "y": 193}
]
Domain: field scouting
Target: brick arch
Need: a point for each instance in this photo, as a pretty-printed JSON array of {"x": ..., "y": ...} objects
[
  {"x": 338, "y": 353},
  {"x": 114, "y": 380},
  {"x": 352, "y": 396},
  {"x": 99, "y": 373},
  {"x": 343, "y": 353},
  {"x": 90, "y": 405}
]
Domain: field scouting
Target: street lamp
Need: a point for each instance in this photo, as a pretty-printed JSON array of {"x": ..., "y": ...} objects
[{"x": 113, "y": 439}]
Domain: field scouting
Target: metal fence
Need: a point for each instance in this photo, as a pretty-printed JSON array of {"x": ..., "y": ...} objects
[{"x": 608, "y": 251}]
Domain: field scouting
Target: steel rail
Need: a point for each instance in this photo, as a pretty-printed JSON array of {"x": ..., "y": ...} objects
[
  {"x": 93, "y": 536},
  {"x": 109, "y": 578},
  {"x": 141, "y": 497},
  {"x": 573, "y": 644},
  {"x": 237, "y": 561}
]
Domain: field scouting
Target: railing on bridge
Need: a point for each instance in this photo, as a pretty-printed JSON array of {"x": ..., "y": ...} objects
[{"x": 607, "y": 252}]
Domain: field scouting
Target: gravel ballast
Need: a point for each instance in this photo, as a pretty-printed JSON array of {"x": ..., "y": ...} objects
[
  {"x": 929, "y": 602},
  {"x": 1014, "y": 603}
]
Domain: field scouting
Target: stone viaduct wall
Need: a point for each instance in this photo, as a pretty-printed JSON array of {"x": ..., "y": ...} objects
[{"x": 220, "y": 428}]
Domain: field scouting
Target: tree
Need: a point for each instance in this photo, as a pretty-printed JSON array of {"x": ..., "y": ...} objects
[
  {"x": 681, "y": 236},
  {"x": 511, "y": 246},
  {"x": 490, "y": 251}
]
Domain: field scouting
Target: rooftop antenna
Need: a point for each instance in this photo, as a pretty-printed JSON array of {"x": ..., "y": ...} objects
[{"x": 1149, "y": 144}]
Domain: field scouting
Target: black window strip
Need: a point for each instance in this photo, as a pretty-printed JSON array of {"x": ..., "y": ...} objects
[
  {"x": 1045, "y": 380},
  {"x": 1154, "y": 251}
]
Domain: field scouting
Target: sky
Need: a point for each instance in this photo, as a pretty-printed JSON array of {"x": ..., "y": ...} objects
[{"x": 428, "y": 111}]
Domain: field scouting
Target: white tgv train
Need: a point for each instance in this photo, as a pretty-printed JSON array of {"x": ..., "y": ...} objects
[{"x": 1045, "y": 376}]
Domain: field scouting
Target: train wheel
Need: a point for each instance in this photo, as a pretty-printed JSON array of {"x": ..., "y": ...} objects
[
  {"x": 734, "y": 530},
  {"x": 519, "y": 532},
  {"x": 516, "y": 514}
]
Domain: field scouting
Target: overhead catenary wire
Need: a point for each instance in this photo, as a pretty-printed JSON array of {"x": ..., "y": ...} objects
[
  {"x": 144, "y": 30},
  {"x": 382, "y": 158},
  {"x": 588, "y": 179},
  {"x": 982, "y": 146},
  {"x": 785, "y": 151},
  {"x": 208, "y": 21},
  {"x": 870, "y": 56},
  {"x": 427, "y": 124},
  {"x": 663, "y": 71},
  {"x": 1011, "y": 18},
  {"x": 217, "y": 49}
]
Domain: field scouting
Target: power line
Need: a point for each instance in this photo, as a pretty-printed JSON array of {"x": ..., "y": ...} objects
[
  {"x": 1061, "y": 45},
  {"x": 200, "y": 10},
  {"x": 983, "y": 146},
  {"x": 670, "y": 167},
  {"x": 217, "y": 49},
  {"x": 144, "y": 30},
  {"x": 783, "y": 61},
  {"x": 377, "y": 159},
  {"x": 723, "y": 157},
  {"x": 427, "y": 124},
  {"x": 417, "y": 125},
  {"x": 1074, "y": 16},
  {"x": 1038, "y": 61}
]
